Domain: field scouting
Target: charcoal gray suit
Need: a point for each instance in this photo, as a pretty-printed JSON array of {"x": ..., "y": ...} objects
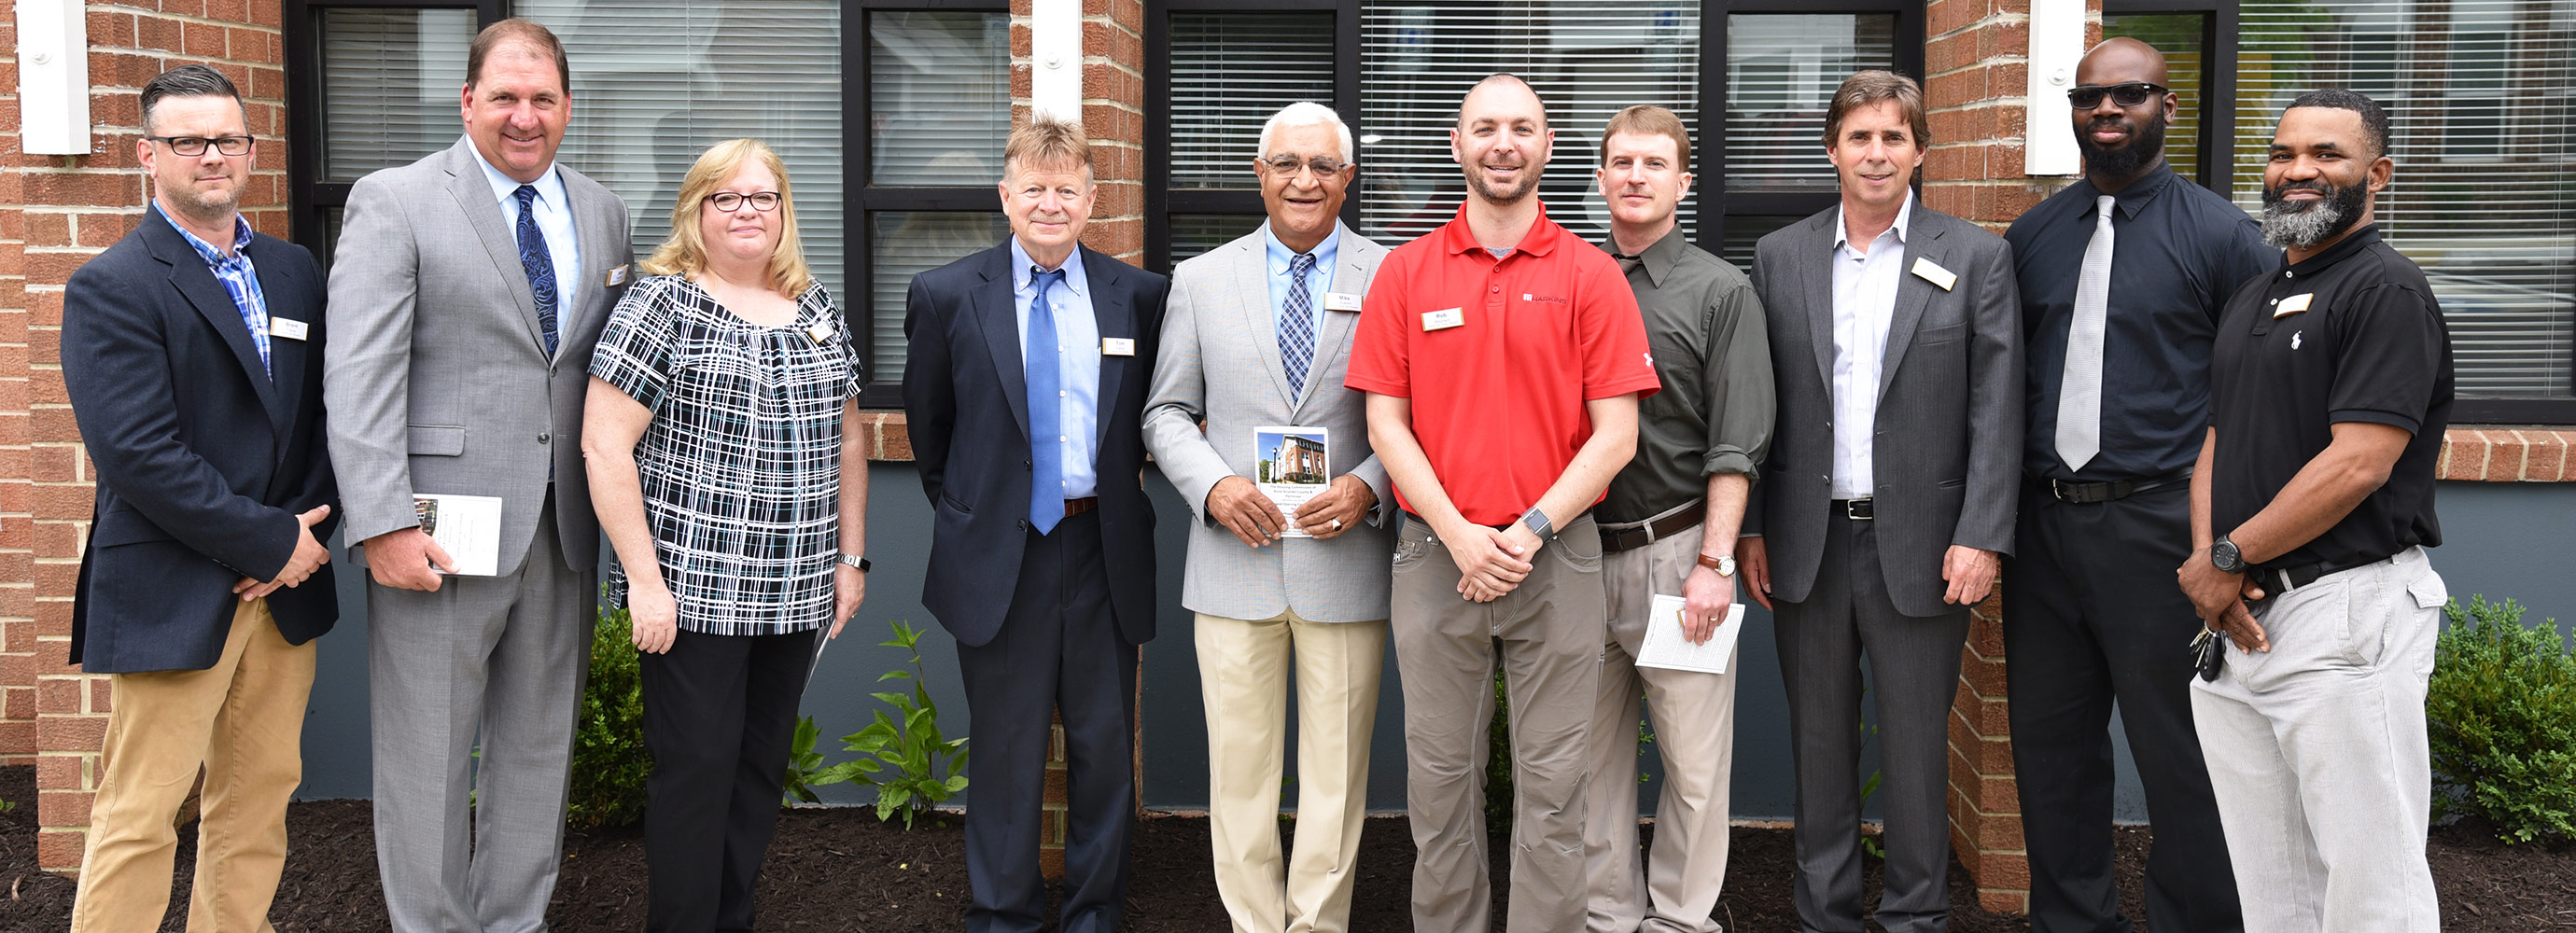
[{"x": 1945, "y": 459}]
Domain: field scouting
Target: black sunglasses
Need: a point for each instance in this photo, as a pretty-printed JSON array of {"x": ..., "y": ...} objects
[{"x": 2131, "y": 94}]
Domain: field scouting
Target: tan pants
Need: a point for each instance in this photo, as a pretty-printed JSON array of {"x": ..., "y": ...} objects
[
  {"x": 1673, "y": 889},
  {"x": 243, "y": 720},
  {"x": 1243, "y": 672}
]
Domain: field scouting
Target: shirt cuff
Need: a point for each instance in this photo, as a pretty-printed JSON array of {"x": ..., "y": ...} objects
[
  {"x": 1728, "y": 460},
  {"x": 2392, "y": 419}
]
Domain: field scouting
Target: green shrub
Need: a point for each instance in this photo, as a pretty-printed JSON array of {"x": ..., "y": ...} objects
[
  {"x": 804, "y": 765},
  {"x": 2501, "y": 712},
  {"x": 911, "y": 747},
  {"x": 609, "y": 763}
]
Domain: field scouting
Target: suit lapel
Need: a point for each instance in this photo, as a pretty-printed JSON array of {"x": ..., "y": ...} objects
[
  {"x": 194, "y": 282},
  {"x": 473, "y": 195},
  {"x": 598, "y": 237},
  {"x": 997, "y": 315},
  {"x": 1260, "y": 324},
  {"x": 1819, "y": 278},
  {"x": 286, "y": 357},
  {"x": 1113, "y": 311},
  {"x": 1337, "y": 324},
  {"x": 1912, "y": 293}
]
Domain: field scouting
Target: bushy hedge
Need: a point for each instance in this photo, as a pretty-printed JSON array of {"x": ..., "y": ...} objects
[
  {"x": 2502, "y": 716},
  {"x": 609, "y": 763}
]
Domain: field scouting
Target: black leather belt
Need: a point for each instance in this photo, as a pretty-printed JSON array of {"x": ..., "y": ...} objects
[
  {"x": 2291, "y": 578},
  {"x": 1626, "y": 539},
  {"x": 2082, "y": 493},
  {"x": 1860, "y": 509}
]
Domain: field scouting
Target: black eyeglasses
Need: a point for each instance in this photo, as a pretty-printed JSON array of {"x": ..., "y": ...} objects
[
  {"x": 2131, "y": 94},
  {"x": 196, "y": 145},
  {"x": 1321, "y": 166},
  {"x": 729, "y": 201}
]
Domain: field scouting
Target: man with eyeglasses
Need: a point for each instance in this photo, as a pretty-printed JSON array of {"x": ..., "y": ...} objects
[
  {"x": 2123, "y": 274},
  {"x": 470, "y": 287},
  {"x": 192, "y": 353},
  {"x": 1256, "y": 333}
]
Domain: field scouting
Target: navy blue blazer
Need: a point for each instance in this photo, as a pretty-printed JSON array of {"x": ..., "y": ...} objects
[
  {"x": 203, "y": 459},
  {"x": 965, "y": 400}
]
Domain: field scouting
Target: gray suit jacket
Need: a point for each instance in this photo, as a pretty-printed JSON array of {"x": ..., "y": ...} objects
[
  {"x": 1220, "y": 363},
  {"x": 1946, "y": 456},
  {"x": 438, "y": 380}
]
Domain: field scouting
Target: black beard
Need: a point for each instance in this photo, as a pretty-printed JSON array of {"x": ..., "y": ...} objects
[
  {"x": 2146, "y": 142},
  {"x": 2304, "y": 224}
]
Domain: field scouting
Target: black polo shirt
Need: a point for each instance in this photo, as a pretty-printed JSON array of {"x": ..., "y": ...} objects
[
  {"x": 2370, "y": 346},
  {"x": 2178, "y": 251}
]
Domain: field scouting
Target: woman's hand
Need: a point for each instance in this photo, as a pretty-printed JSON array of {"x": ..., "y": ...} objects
[
  {"x": 656, "y": 614},
  {"x": 849, "y": 589}
]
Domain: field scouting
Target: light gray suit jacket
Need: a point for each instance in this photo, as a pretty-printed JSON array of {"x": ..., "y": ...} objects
[
  {"x": 438, "y": 379},
  {"x": 1946, "y": 458},
  {"x": 1220, "y": 363}
]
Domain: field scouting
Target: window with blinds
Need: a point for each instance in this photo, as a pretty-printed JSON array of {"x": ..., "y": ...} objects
[
  {"x": 1228, "y": 71},
  {"x": 390, "y": 80},
  {"x": 2180, "y": 37},
  {"x": 1781, "y": 72},
  {"x": 1587, "y": 58},
  {"x": 939, "y": 112},
  {"x": 2481, "y": 197}
]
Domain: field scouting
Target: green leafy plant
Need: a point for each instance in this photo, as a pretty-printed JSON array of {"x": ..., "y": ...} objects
[
  {"x": 2501, "y": 716},
  {"x": 902, "y": 757},
  {"x": 609, "y": 762},
  {"x": 804, "y": 765}
]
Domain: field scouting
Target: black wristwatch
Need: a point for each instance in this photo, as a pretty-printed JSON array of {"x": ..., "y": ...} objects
[
  {"x": 2224, "y": 556},
  {"x": 854, "y": 560},
  {"x": 1536, "y": 520}
]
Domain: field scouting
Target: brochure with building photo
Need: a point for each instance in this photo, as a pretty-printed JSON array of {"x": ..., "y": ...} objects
[
  {"x": 1291, "y": 464},
  {"x": 1666, "y": 647},
  {"x": 467, "y": 527}
]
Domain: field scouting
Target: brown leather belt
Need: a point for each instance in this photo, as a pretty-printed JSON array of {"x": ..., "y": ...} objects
[
  {"x": 1073, "y": 507},
  {"x": 1626, "y": 539}
]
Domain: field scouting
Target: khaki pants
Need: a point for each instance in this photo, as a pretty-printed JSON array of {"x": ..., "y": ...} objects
[
  {"x": 1673, "y": 889},
  {"x": 243, "y": 720},
  {"x": 1243, "y": 670},
  {"x": 1549, "y": 631}
]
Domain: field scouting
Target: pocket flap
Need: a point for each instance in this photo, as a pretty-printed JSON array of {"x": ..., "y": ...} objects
[
  {"x": 436, "y": 440},
  {"x": 2429, "y": 591}
]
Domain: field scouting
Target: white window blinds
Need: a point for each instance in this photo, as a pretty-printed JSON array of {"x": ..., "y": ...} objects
[
  {"x": 1230, "y": 71},
  {"x": 1781, "y": 72},
  {"x": 939, "y": 97},
  {"x": 1587, "y": 58},
  {"x": 391, "y": 82},
  {"x": 2475, "y": 90}
]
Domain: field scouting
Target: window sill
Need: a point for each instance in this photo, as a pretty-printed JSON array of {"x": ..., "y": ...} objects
[{"x": 2499, "y": 454}]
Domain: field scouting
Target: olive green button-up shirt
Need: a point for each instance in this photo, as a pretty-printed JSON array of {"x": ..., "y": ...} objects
[{"x": 1713, "y": 353}]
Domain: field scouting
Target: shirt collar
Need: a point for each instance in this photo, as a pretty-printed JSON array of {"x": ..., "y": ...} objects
[
  {"x": 550, "y": 186},
  {"x": 207, "y": 251},
  {"x": 1659, "y": 256},
  {"x": 1280, "y": 255},
  {"x": 1539, "y": 241},
  {"x": 2351, "y": 243},
  {"x": 1904, "y": 219},
  {"x": 1073, "y": 274},
  {"x": 2136, "y": 196}
]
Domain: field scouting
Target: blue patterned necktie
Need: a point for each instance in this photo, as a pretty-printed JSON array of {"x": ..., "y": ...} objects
[
  {"x": 539, "y": 263},
  {"x": 1043, "y": 361},
  {"x": 1297, "y": 324}
]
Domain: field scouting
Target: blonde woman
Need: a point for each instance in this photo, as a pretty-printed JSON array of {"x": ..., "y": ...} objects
[{"x": 722, "y": 410}]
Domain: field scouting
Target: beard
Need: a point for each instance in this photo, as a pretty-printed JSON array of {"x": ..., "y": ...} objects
[
  {"x": 2303, "y": 224},
  {"x": 1503, "y": 196},
  {"x": 2146, "y": 142}
]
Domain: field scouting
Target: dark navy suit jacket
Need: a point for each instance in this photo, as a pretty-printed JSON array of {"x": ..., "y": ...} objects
[
  {"x": 204, "y": 460},
  {"x": 965, "y": 401}
]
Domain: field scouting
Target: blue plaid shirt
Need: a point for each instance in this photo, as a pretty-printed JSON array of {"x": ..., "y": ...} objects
[{"x": 239, "y": 277}]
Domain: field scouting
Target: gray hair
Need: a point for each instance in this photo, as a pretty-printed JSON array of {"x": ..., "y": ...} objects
[
  {"x": 187, "y": 81},
  {"x": 1306, "y": 113}
]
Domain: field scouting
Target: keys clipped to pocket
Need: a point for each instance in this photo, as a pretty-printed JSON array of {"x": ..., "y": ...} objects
[{"x": 2208, "y": 652}]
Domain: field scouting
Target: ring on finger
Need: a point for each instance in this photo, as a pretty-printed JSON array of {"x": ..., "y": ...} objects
[{"x": 1337, "y": 524}]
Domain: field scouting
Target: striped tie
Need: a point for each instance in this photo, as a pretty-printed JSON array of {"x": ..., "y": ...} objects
[{"x": 1297, "y": 324}]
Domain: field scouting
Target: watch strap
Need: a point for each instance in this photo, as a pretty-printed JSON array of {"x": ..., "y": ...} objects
[
  {"x": 854, "y": 560},
  {"x": 1536, "y": 520}
]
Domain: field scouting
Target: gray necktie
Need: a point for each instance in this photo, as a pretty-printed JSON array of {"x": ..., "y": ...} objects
[{"x": 2079, "y": 395}]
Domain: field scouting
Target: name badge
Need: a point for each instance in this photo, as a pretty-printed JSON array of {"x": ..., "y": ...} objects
[
  {"x": 2293, "y": 304},
  {"x": 1117, "y": 346},
  {"x": 1443, "y": 319},
  {"x": 616, "y": 277},
  {"x": 822, "y": 331},
  {"x": 288, "y": 328},
  {"x": 1341, "y": 301},
  {"x": 1932, "y": 272}
]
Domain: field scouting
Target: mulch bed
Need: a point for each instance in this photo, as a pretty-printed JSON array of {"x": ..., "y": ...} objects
[{"x": 842, "y": 870}]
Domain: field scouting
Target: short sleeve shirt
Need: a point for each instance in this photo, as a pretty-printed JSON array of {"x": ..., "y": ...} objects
[
  {"x": 2350, "y": 334},
  {"x": 1498, "y": 395},
  {"x": 741, "y": 465}
]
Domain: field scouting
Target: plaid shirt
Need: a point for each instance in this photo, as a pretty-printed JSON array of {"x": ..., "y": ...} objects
[
  {"x": 741, "y": 465},
  {"x": 239, "y": 277}
]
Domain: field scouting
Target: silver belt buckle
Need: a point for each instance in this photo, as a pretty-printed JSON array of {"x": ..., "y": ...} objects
[{"x": 1859, "y": 509}]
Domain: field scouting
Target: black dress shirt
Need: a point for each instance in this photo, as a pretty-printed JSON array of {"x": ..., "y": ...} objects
[{"x": 2178, "y": 250}]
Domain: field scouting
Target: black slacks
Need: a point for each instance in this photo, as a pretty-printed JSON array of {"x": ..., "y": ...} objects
[
  {"x": 2092, "y": 615},
  {"x": 719, "y": 715},
  {"x": 1058, "y": 651}
]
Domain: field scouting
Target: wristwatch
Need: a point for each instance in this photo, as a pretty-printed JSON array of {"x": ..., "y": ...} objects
[
  {"x": 1724, "y": 564},
  {"x": 1536, "y": 519},
  {"x": 2224, "y": 556},
  {"x": 853, "y": 560}
]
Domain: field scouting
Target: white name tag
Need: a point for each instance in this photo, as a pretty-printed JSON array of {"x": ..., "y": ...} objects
[
  {"x": 616, "y": 277},
  {"x": 2293, "y": 304},
  {"x": 1117, "y": 346},
  {"x": 1932, "y": 272},
  {"x": 822, "y": 331},
  {"x": 1341, "y": 301},
  {"x": 1443, "y": 319},
  {"x": 288, "y": 328}
]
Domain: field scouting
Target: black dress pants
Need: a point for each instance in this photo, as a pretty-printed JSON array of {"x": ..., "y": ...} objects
[
  {"x": 2092, "y": 615},
  {"x": 719, "y": 715}
]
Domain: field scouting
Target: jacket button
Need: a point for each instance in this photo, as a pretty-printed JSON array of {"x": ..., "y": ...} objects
[
  {"x": 545, "y": 438},
  {"x": 1025, "y": 465},
  {"x": 1024, "y": 524}
]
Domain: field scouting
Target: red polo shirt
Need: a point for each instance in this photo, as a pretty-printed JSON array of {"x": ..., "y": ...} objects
[{"x": 1498, "y": 397}]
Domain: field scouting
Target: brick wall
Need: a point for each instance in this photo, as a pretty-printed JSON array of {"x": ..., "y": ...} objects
[{"x": 55, "y": 213}]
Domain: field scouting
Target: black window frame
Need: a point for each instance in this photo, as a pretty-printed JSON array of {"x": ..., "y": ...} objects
[
  {"x": 1709, "y": 168},
  {"x": 1161, "y": 200},
  {"x": 309, "y": 198}
]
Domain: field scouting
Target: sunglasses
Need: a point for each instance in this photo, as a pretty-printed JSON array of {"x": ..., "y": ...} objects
[{"x": 2131, "y": 94}]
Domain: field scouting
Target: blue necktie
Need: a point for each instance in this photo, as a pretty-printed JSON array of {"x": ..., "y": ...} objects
[
  {"x": 538, "y": 262},
  {"x": 1297, "y": 324},
  {"x": 1046, "y": 408}
]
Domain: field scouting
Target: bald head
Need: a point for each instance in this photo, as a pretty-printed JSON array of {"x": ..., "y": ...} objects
[
  {"x": 1502, "y": 92},
  {"x": 2119, "y": 61}
]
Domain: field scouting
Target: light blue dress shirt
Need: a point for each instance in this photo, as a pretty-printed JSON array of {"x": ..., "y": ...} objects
[
  {"x": 1078, "y": 352},
  {"x": 554, "y": 219},
  {"x": 239, "y": 277},
  {"x": 1318, "y": 281}
]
